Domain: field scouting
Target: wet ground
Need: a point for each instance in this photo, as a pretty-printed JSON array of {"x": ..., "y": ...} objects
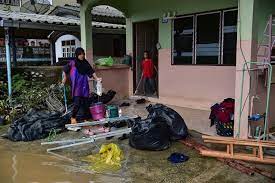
[{"x": 28, "y": 162}]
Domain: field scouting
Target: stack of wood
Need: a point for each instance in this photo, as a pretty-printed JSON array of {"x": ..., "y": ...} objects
[{"x": 236, "y": 164}]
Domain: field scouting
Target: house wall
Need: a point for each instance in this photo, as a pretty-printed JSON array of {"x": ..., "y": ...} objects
[
  {"x": 188, "y": 86},
  {"x": 58, "y": 44}
]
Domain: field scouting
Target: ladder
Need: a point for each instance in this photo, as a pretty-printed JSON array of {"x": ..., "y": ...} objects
[
  {"x": 266, "y": 49},
  {"x": 231, "y": 152}
]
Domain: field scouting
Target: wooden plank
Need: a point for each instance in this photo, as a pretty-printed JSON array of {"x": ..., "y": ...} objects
[
  {"x": 261, "y": 153},
  {"x": 230, "y": 139},
  {"x": 228, "y": 149},
  {"x": 240, "y": 143},
  {"x": 254, "y": 151},
  {"x": 239, "y": 156},
  {"x": 239, "y": 165},
  {"x": 231, "y": 150}
]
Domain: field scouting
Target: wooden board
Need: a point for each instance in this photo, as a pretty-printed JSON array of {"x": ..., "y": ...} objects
[{"x": 257, "y": 147}]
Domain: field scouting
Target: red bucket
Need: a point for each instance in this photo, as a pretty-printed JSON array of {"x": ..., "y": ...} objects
[{"x": 98, "y": 111}]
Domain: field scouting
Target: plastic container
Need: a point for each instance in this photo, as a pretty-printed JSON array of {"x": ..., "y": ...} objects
[
  {"x": 112, "y": 111},
  {"x": 98, "y": 111}
]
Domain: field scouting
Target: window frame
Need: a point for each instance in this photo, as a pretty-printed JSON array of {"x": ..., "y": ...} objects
[
  {"x": 68, "y": 48},
  {"x": 10, "y": 2},
  {"x": 221, "y": 37}
]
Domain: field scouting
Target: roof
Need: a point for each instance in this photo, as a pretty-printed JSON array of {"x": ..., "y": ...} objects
[
  {"x": 104, "y": 10},
  {"x": 101, "y": 10},
  {"x": 51, "y": 19},
  {"x": 28, "y": 17}
]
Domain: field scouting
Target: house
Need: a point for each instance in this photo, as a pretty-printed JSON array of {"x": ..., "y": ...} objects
[
  {"x": 50, "y": 46},
  {"x": 199, "y": 47},
  {"x": 109, "y": 41}
]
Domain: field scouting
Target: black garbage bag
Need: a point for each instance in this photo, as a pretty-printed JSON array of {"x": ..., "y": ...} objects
[
  {"x": 36, "y": 125},
  {"x": 105, "y": 98},
  {"x": 177, "y": 126},
  {"x": 150, "y": 134}
]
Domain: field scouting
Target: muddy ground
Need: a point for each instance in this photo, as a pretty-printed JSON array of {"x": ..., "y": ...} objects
[{"x": 28, "y": 162}]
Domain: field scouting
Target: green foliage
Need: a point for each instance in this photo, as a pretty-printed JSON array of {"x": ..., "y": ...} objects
[{"x": 27, "y": 93}]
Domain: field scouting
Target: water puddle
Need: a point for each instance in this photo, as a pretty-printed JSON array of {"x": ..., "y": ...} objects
[{"x": 21, "y": 167}]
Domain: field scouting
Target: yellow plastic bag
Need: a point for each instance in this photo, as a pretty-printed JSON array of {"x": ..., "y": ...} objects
[{"x": 108, "y": 158}]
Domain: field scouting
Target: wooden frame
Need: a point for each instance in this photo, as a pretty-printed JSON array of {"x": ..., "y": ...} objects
[{"x": 257, "y": 148}]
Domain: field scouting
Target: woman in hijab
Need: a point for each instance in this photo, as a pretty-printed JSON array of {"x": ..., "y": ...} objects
[{"x": 79, "y": 70}]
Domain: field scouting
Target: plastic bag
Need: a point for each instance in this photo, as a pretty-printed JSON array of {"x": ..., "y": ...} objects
[
  {"x": 150, "y": 134},
  {"x": 108, "y": 158},
  {"x": 105, "y": 61},
  {"x": 177, "y": 126},
  {"x": 162, "y": 126}
]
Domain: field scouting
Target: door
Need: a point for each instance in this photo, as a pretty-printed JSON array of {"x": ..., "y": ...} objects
[{"x": 145, "y": 39}]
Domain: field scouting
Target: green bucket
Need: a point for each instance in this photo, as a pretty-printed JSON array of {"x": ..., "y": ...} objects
[{"x": 112, "y": 111}]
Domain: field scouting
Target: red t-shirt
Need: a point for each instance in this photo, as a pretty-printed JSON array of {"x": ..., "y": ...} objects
[{"x": 147, "y": 68}]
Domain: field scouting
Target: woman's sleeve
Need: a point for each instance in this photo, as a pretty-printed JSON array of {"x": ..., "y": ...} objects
[{"x": 91, "y": 72}]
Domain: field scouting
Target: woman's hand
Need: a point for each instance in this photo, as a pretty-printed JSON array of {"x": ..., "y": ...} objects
[{"x": 96, "y": 78}]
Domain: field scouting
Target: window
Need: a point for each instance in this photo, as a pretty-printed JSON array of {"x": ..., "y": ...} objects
[
  {"x": 68, "y": 48},
  {"x": 10, "y": 2},
  {"x": 183, "y": 40},
  {"x": 206, "y": 38},
  {"x": 230, "y": 19}
]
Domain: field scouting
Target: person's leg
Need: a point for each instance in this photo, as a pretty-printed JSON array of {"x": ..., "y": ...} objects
[
  {"x": 86, "y": 105},
  {"x": 152, "y": 86},
  {"x": 146, "y": 86},
  {"x": 75, "y": 109}
]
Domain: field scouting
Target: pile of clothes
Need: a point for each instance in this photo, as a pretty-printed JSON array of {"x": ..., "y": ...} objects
[
  {"x": 222, "y": 115},
  {"x": 162, "y": 126}
]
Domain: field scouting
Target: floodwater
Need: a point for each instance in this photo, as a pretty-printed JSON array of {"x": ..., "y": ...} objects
[
  {"x": 28, "y": 162},
  {"x": 21, "y": 167}
]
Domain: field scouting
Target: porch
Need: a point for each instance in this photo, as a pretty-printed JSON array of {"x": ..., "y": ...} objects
[{"x": 203, "y": 79}]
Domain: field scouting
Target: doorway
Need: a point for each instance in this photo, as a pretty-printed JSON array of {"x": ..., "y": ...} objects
[{"x": 145, "y": 38}]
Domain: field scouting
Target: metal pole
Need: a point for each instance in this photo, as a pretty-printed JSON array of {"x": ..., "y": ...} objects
[
  {"x": 266, "y": 125},
  {"x": 8, "y": 60}
]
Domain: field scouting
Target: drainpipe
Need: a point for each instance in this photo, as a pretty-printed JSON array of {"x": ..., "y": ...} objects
[{"x": 8, "y": 59}]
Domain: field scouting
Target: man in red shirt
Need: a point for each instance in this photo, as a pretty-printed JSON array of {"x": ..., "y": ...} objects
[{"x": 147, "y": 67}]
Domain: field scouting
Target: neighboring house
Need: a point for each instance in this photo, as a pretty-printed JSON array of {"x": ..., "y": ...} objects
[
  {"x": 109, "y": 32},
  {"x": 109, "y": 41},
  {"x": 198, "y": 46}
]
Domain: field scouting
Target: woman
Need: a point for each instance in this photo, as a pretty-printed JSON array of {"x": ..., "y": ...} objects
[{"x": 79, "y": 70}]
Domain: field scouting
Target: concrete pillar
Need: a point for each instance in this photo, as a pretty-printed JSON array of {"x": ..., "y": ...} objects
[
  {"x": 129, "y": 51},
  {"x": 86, "y": 29},
  {"x": 8, "y": 59},
  {"x": 52, "y": 52},
  {"x": 246, "y": 52}
]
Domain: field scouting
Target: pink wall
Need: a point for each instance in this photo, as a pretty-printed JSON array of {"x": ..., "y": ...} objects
[
  {"x": 115, "y": 78},
  {"x": 196, "y": 87}
]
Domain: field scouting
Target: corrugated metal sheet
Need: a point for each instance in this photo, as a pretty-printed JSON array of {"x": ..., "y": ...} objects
[{"x": 51, "y": 19}]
